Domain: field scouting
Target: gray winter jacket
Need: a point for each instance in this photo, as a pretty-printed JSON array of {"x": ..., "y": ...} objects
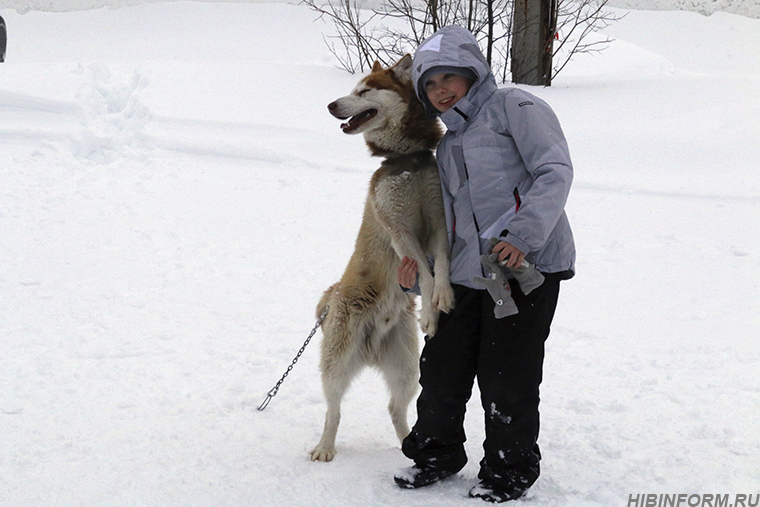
[{"x": 504, "y": 164}]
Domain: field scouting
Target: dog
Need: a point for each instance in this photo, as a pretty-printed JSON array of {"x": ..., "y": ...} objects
[{"x": 370, "y": 319}]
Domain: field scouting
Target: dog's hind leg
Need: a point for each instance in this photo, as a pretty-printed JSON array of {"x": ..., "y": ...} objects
[
  {"x": 399, "y": 364},
  {"x": 336, "y": 378}
]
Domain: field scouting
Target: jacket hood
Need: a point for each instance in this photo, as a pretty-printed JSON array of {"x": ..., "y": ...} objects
[{"x": 453, "y": 46}]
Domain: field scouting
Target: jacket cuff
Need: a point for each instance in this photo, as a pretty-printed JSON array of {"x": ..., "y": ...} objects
[
  {"x": 517, "y": 243},
  {"x": 414, "y": 290}
]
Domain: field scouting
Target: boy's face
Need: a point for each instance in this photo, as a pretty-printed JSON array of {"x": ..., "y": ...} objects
[{"x": 445, "y": 90}]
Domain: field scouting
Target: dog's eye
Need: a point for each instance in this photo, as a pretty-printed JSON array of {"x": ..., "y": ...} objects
[{"x": 363, "y": 91}]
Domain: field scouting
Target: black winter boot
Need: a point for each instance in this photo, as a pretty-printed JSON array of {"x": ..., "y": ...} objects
[
  {"x": 495, "y": 493},
  {"x": 421, "y": 476}
]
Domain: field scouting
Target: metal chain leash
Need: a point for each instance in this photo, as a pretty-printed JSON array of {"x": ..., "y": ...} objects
[{"x": 273, "y": 392}]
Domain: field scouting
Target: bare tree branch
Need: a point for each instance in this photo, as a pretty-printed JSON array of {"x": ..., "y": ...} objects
[{"x": 361, "y": 37}]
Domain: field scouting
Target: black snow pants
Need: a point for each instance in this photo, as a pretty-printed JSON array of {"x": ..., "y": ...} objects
[{"x": 506, "y": 355}]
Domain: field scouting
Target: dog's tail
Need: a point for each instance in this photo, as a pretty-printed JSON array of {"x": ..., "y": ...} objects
[{"x": 325, "y": 300}]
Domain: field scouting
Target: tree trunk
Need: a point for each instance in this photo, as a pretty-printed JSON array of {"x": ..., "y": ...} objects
[
  {"x": 3, "y": 39},
  {"x": 533, "y": 26}
]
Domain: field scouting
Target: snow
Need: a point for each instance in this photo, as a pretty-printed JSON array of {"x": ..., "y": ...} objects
[{"x": 174, "y": 197}]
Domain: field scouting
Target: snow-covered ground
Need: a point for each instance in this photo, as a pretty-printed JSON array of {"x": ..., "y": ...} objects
[{"x": 174, "y": 198}]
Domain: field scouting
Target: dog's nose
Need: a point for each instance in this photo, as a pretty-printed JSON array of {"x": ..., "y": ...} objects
[{"x": 332, "y": 106}]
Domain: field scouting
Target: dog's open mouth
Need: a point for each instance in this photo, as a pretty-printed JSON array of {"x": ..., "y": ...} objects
[{"x": 358, "y": 120}]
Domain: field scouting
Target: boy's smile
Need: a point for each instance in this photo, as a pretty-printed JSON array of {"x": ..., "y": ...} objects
[{"x": 444, "y": 90}]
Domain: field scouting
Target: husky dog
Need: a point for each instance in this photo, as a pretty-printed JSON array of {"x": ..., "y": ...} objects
[{"x": 371, "y": 320}]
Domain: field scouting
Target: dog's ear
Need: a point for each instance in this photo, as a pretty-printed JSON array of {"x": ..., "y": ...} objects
[
  {"x": 377, "y": 66},
  {"x": 403, "y": 68}
]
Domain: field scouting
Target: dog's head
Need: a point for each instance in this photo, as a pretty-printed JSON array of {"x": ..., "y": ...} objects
[{"x": 381, "y": 97}]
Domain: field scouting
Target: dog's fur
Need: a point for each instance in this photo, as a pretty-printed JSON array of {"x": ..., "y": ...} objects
[{"x": 371, "y": 321}]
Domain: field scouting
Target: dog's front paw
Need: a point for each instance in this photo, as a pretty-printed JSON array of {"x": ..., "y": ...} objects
[
  {"x": 322, "y": 453},
  {"x": 443, "y": 297},
  {"x": 429, "y": 321}
]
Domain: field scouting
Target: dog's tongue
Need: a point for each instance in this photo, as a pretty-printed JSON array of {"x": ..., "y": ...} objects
[
  {"x": 349, "y": 125},
  {"x": 354, "y": 122}
]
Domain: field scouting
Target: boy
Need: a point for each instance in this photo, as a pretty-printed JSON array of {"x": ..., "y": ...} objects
[{"x": 505, "y": 174}]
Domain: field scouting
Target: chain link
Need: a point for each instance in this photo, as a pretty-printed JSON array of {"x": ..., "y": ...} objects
[{"x": 273, "y": 392}]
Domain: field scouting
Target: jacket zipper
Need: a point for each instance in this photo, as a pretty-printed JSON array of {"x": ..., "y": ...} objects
[{"x": 474, "y": 220}]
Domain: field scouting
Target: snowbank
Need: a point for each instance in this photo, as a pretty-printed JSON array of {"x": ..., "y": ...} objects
[
  {"x": 174, "y": 197},
  {"x": 24, "y": 6},
  {"x": 749, "y": 8}
]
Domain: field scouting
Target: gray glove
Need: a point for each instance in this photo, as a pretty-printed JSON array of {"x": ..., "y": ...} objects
[
  {"x": 498, "y": 287},
  {"x": 497, "y": 284},
  {"x": 528, "y": 277}
]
